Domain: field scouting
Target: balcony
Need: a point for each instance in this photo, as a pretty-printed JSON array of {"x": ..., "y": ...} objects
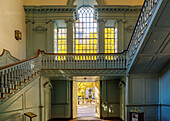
[{"x": 77, "y": 64}]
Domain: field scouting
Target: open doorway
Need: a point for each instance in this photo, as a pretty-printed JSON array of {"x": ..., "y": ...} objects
[{"x": 86, "y": 99}]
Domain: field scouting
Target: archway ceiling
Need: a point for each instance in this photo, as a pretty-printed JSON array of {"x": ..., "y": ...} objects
[{"x": 71, "y": 2}]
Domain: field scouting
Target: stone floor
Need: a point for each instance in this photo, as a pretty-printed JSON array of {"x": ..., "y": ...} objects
[{"x": 86, "y": 110}]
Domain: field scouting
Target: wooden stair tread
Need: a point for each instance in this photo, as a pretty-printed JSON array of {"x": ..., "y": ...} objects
[
  {"x": 2, "y": 97},
  {"x": 24, "y": 82},
  {"x": 6, "y": 93},
  {"x": 19, "y": 85},
  {"x": 13, "y": 89}
]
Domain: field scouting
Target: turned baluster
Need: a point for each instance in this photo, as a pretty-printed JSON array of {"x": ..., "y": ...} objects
[
  {"x": 6, "y": 81},
  {"x": 2, "y": 83}
]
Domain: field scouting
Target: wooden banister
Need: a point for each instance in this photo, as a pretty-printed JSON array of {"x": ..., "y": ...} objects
[{"x": 12, "y": 64}]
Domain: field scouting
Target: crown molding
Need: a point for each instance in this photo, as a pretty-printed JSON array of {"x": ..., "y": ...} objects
[
  {"x": 117, "y": 8},
  {"x": 50, "y": 9}
]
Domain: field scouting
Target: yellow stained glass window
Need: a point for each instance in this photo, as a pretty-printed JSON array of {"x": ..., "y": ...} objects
[
  {"x": 110, "y": 43},
  {"x": 109, "y": 40},
  {"x": 62, "y": 40}
]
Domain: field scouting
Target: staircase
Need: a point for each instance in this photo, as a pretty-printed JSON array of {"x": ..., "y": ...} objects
[{"x": 16, "y": 76}]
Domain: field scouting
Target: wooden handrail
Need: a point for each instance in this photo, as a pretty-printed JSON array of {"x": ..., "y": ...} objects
[
  {"x": 137, "y": 22},
  {"x": 136, "y": 25},
  {"x": 12, "y": 64},
  {"x": 84, "y": 53},
  {"x": 3, "y": 52}
]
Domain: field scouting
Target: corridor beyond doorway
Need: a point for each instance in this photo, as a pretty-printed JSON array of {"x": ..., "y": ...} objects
[{"x": 86, "y": 99}]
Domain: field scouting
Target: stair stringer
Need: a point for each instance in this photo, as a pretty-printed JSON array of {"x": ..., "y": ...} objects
[{"x": 25, "y": 100}]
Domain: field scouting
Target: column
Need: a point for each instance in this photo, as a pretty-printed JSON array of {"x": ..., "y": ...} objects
[
  {"x": 69, "y": 23},
  {"x": 47, "y": 98},
  {"x": 126, "y": 97},
  {"x": 121, "y": 35},
  {"x": 29, "y": 38},
  {"x": 101, "y": 32},
  {"x": 50, "y": 36}
]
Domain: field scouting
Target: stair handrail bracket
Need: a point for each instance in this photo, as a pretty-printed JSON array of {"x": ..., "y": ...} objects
[
  {"x": 15, "y": 76},
  {"x": 147, "y": 14}
]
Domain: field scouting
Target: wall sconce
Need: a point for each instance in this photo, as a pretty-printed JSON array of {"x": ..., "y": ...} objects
[{"x": 18, "y": 35}]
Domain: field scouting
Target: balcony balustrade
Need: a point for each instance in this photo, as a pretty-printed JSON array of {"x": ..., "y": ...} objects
[{"x": 83, "y": 61}]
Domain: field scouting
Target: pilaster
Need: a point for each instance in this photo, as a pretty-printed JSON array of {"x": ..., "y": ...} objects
[
  {"x": 29, "y": 38},
  {"x": 47, "y": 91},
  {"x": 120, "y": 23},
  {"x": 69, "y": 23},
  {"x": 101, "y": 35},
  {"x": 50, "y": 36}
]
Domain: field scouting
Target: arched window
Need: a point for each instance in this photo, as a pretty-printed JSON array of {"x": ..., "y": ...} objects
[{"x": 85, "y": 31}]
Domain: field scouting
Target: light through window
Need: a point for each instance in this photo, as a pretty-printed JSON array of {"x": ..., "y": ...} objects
[
  {"x": 62, "y": 40},
  {"x": 110, "y": 40},
  {"x": 85, "y": 35}
]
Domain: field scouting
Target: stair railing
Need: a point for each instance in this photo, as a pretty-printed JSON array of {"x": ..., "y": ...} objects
[
  {"x": 142, "y": 24},
  {"x": 14, "y": 76}
]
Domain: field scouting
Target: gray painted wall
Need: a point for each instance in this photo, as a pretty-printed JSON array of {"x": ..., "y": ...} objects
[
  {"x": 110, "y": 98},
  {"x": 14, "y": 108},
  {"x": 143, "y": 91},
  {"x": 30, "y": 99},
  {"x": 165, "y": 94},
  {"x": 61, "y": 99}
]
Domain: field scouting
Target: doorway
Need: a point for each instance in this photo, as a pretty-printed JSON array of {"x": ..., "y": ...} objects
[{"x": 86, "y": 99}]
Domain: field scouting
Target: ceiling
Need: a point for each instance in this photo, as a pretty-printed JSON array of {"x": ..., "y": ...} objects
[{"x": 71, "y": 2}]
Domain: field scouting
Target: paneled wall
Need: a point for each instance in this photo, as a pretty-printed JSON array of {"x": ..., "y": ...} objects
[
  {"x": 143, "y": 91},
  {"x": 30, "y": 99},
  {"x": 110, "y": 98},
  {"x": 26, "y": 100},
  {"x": 164, "y": 94},
  {"x": 61, "y": 99}
]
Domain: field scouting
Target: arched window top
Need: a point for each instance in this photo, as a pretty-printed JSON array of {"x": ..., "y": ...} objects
[{"x": 86, "y": 14}]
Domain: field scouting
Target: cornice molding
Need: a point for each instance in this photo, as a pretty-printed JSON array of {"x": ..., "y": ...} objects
[
  {"x": 121, "y": 8},
  {"x": 50, "y": 9}
]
